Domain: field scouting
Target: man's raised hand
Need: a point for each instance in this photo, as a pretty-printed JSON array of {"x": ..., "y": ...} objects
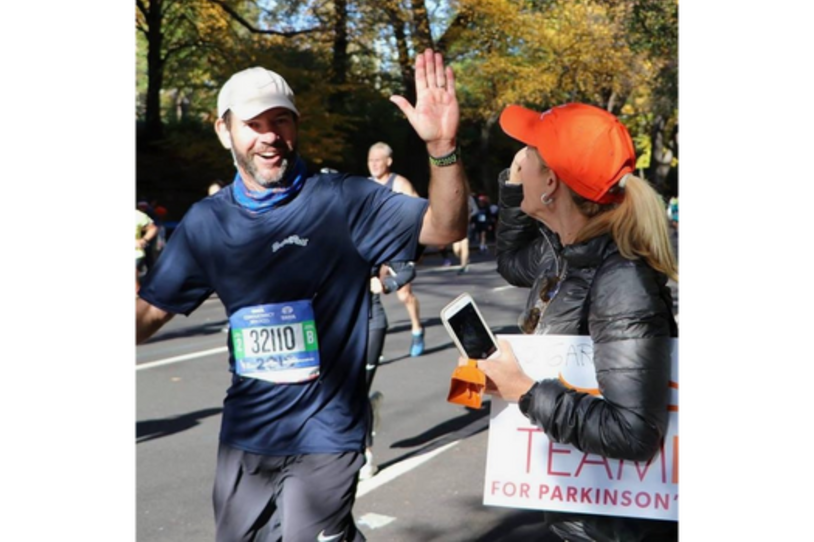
[{"x": 435, "y": 116}]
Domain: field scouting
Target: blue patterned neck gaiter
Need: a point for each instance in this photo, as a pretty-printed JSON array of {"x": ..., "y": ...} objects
[{"x": 265, "y": 200}]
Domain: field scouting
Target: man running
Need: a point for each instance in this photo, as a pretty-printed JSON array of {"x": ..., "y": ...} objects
[
  {"x": 379, "y": 161},
  {"x": 289, "y": 256}
]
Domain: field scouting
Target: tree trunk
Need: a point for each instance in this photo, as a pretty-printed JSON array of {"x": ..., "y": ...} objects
[
  {"x": 422, "y": 38},
  {"x": 405, "y": 65},
  {"x": 416, "y": 170},
  {"x": 453, "y": 32},
  {"x": 661, "y": 157},
  {"x": 154, "y": 128},
  {"x": 484, "y": 174},
  {"x": 339, "y": 72}
]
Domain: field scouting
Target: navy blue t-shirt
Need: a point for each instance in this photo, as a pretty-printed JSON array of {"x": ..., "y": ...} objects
[{"x": 319, "y": 247}]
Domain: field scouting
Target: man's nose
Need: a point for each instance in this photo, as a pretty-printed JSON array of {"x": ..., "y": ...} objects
[{"x": 269, "y": 136}]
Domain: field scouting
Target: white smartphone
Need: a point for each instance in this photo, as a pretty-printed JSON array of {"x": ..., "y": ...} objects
[{"x": 468, "y": 329}]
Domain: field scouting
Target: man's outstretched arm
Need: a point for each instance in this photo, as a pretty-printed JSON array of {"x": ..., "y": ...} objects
[
  {"x": 447, "y": 218},
  {"x": 149, "y": 319},
  {"x": 435, "y": 119}
]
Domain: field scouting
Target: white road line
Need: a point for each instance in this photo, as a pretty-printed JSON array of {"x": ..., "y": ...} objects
[
  {"x": 375, "y": 521},
  {"x": 387, "y": 475},
  {"x": 501, "y": 288},
  {"x": 391, "y": 473},
  {"x": 185, "y": 357}
]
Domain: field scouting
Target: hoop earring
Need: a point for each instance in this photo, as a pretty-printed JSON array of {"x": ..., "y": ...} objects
[{"x": 545, "y": 200}]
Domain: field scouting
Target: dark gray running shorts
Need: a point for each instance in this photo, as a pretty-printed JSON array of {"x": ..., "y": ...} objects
[{"x": 302, "y": 498}]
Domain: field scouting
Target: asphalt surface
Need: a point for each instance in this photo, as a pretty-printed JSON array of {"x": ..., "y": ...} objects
[{"x": 431, "y": 453}]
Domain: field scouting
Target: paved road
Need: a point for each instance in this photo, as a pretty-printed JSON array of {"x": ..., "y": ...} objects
[{"x": 431, "y": 453}]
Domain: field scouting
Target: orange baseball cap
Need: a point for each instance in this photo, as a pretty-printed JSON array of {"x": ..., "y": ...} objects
[{"x": 588, "y": 148}]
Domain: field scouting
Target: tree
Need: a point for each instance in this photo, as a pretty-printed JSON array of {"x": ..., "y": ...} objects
[
  {"x": 344, "y": 58},
  {"x": 543, "y": 53},
  {"x": 190, "y": 29}
]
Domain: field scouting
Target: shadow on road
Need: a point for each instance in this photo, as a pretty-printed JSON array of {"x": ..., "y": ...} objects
[
  {"x": 499, "y": 330},
  {"x": 510, "y": 526},
  {"x": 462, "y": 427},
  {"x": 153, "y": 429},
  {"x": 210, "y": 328},
  {"x": 427, "y": 352},
  {"x": 426, "y": 322},
  {"x": 454, "y": 426}
]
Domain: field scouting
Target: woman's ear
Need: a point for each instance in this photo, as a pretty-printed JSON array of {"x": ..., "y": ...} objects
[{"x": 551, "y": 182}]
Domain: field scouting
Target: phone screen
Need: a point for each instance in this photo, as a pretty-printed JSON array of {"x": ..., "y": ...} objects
[{"x": 474, "y": 337}]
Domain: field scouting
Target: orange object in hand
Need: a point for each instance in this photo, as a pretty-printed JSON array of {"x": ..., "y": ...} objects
[{"x": 467, "y": 385}]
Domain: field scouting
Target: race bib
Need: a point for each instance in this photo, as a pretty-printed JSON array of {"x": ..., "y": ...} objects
[{"x": 276, "y": 342}]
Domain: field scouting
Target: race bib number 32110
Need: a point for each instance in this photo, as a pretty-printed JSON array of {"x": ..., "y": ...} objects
[{"x": 276, "y": 342}]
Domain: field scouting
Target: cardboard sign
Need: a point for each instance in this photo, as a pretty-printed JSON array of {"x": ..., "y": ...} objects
[{"x": 524, "y": 469}]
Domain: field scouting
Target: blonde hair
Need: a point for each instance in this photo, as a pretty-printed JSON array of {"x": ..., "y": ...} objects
[{"x": 638, "y": 225}]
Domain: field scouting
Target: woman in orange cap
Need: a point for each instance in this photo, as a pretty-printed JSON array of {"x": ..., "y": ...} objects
[{"x": 591, "y": 240}]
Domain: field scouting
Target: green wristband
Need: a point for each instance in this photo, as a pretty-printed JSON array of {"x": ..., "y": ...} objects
[{"x": 447, "y": 159}]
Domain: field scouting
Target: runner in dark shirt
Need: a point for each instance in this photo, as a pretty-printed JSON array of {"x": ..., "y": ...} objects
[{"x": 290, "y": 256}]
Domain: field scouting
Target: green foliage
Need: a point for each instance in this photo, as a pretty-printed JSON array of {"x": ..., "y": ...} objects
[
  {"x": 193, "y": 142},
  {"x": 618, "y": 54}
]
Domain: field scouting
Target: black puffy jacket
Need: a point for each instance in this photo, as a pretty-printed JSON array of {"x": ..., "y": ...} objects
[{"x": 626, "y": 308}]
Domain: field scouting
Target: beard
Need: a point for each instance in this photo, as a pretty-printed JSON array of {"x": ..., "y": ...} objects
[{"x": 266, "y": 179}]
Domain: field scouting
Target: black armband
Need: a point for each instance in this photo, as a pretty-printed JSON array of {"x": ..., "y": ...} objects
[{"x": 390, "y": 284}]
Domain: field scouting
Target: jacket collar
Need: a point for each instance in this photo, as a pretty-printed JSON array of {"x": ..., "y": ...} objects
[{"x": 589, "y": 253}]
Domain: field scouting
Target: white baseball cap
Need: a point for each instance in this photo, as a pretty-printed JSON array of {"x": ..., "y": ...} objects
[{"x": 254, "y": 90}]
